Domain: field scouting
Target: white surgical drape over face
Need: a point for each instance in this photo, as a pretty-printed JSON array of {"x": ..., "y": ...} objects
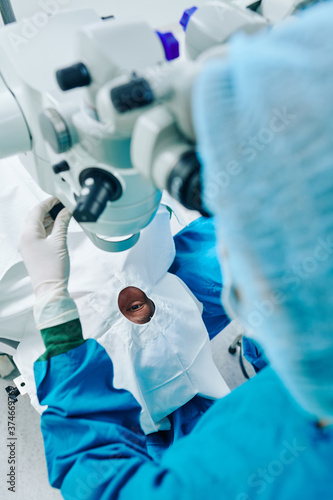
[{"x": 168, "y": 359}]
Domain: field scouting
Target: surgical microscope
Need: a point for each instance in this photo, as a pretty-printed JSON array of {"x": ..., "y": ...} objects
[{"x": 99, "y": 109}]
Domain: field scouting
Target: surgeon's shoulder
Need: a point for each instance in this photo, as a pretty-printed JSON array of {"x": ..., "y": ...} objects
[{"x": 264, "y": 401}]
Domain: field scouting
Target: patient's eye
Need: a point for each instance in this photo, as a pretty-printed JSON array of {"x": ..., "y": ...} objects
[{"x": 134, "y": 308}]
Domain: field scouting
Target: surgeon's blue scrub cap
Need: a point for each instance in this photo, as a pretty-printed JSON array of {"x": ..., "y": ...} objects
[{"x": 264, "y": 120}]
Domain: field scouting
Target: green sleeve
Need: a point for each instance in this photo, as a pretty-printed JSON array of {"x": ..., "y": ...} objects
[{"x": 61, "y": 339}]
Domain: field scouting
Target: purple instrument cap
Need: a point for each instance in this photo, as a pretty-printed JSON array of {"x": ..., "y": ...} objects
[
  {"x": 170, "y": 44},
  {"x": 187, "y": 16}
]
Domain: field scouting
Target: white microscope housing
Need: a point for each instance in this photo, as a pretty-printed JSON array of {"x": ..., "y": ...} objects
[{"x": 68, "y": 151}]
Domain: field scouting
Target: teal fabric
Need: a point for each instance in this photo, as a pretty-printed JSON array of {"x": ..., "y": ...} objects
[
  {"x": 264, "y": 122},
  {"x": 61, "y": 338},
  {"x": 255, "y": 443}
]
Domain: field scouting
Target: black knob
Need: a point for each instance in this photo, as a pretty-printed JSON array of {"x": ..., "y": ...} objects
[
  {"x": 184, "y": 183},
  {"x": 56, "y": 210},
  {"x": 60, "y": 167},
  {"x": 74, "y": 76},
  {"x": 98, "y": 187},
  {"x": 133, "y": 95}
]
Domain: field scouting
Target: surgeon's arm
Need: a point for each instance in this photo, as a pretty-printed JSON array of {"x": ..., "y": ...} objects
[
  {"x": 94, "y": 446},
  {"x": 92, "y": 435},
  {"x": 93, "y": 439}
]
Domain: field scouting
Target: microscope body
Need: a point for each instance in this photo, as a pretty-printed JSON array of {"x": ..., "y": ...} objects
[{"x": 64, "y": 143}]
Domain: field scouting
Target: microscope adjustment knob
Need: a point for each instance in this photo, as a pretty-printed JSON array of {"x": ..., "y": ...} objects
[
  {"x": 61, "y": 167},
  {"x": 184, "y": 183},
  {"x": 55, "y": 130},
  {"x": 74, "y": 76}
]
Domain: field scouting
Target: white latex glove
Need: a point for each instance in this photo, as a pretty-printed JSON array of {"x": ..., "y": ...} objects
[{"x": 43, "y": 246}]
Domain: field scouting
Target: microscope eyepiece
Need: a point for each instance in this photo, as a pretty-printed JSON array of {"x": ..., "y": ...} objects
[
  {"x": 184, "y": 183},
  {"x": 74, "y": 76},
  {"x": 133, "y": 95},
  {"x": 98, "y": 187}
]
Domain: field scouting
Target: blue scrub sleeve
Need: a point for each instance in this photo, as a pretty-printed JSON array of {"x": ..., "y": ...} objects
[
  {"x": 93, "y": 440},
  {"x": 240, "y": 449}
]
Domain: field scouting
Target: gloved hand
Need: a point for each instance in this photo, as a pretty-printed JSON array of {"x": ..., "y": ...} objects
[{"x": 43, "y": 246}]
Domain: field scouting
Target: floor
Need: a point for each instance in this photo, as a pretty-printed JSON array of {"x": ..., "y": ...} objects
[{"x": 31, "y": 474}]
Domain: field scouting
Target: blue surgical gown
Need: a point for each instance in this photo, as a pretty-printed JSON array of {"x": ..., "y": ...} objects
[{"x": 255, "y": 443}]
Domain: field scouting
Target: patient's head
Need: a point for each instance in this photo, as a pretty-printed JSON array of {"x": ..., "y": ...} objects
[{"x": 135, "y": 305}]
